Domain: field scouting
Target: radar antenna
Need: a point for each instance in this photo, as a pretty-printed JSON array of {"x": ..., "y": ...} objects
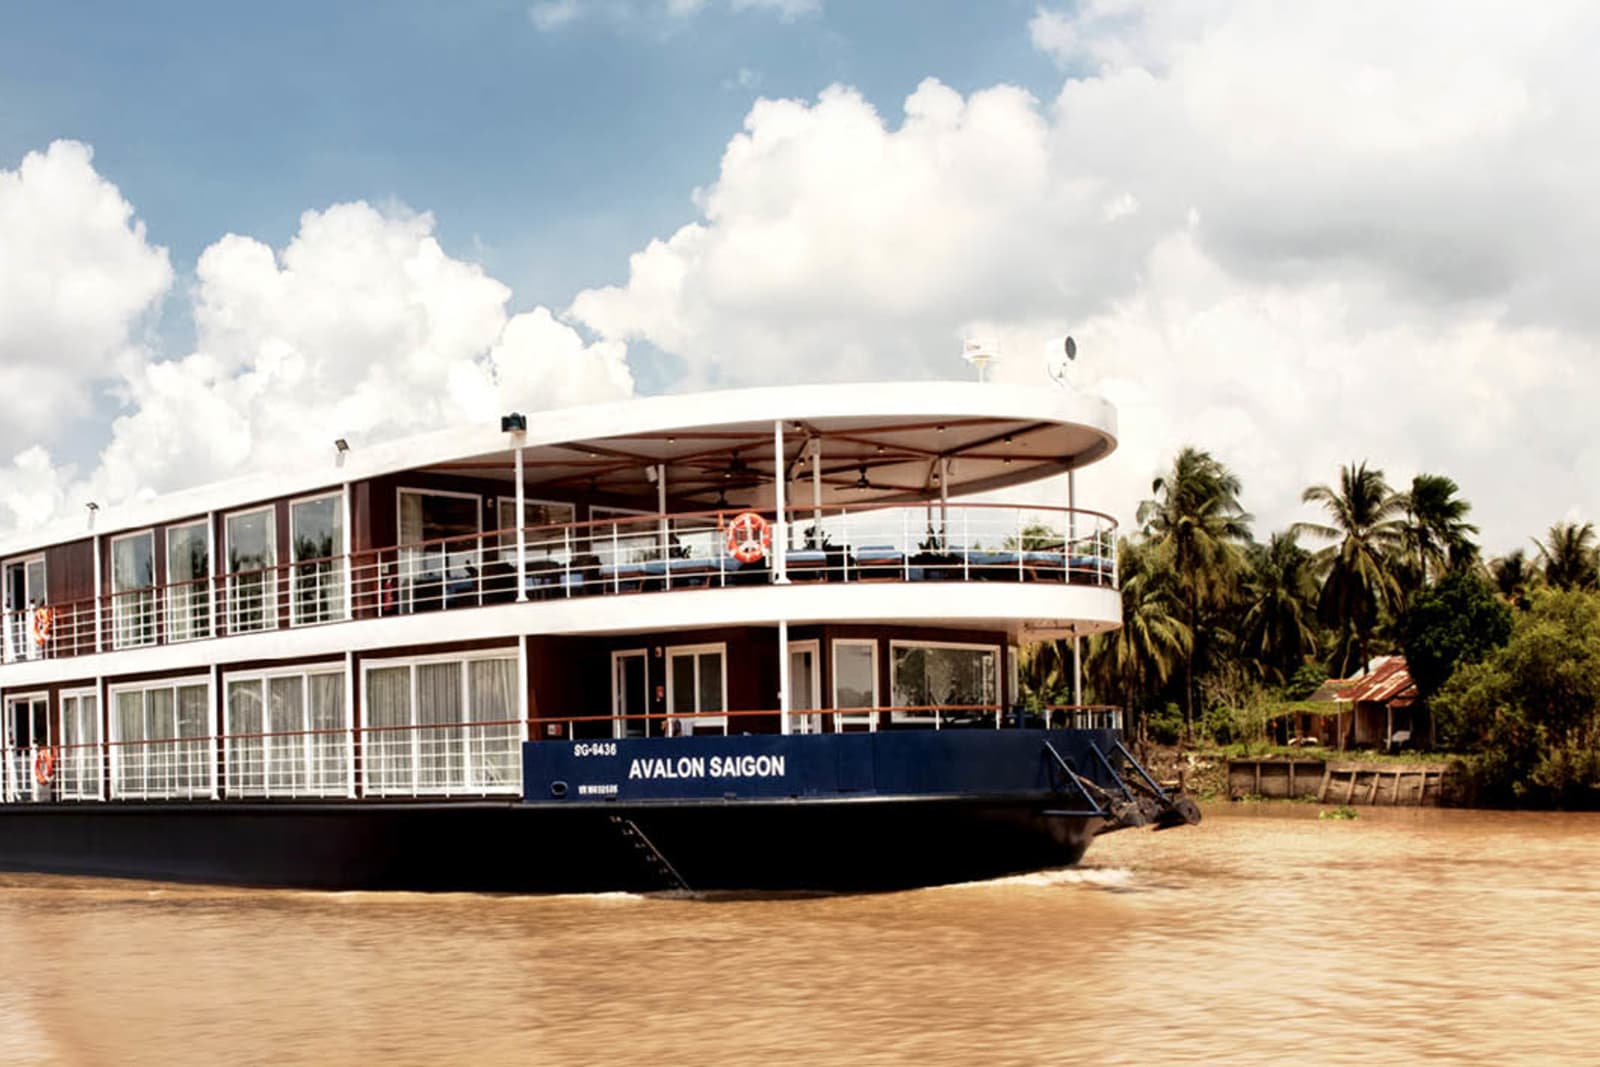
[{"x": 1062, "y": 353}]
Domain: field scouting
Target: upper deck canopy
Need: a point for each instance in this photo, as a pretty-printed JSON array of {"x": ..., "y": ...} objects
[{"x": 873, "y": 442}]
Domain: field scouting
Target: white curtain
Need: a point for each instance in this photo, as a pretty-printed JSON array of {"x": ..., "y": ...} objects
[
  {"x": 388, "y": 752},
  {"x": 286, "y": 740},
  {"x": 195, "y": 762},
  {"x": 492, "y": 690},
  {"x": 443, "y": 762},
  {"x": 246, "y": 750},
  {"x": 330, "y": 759},
  {"x": 131, "y": 759}
]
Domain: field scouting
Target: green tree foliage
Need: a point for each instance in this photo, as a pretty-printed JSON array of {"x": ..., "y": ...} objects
[
  {"x": 1277, "y": 633},
  {"x": 1458, "y": 620},
  {"x": 1359, "y": 583},
  {"x": 1437, "y": 536},
  {"x": 1531, "y": 710},
  {"x": 1195, "y": 526},
  {"x": 1132, "y": 664},
  {"x": 1567, "y": 556},
  {"x": 1515, "y": 578}
]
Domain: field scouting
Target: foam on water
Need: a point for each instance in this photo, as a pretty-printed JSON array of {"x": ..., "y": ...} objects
[{"x": 1114, "y": 878}]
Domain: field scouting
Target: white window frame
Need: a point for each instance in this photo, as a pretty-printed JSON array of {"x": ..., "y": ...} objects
[
  {"x": 618, "y": 725},
  {"x": 19, "y": 762},
  {"x": 508, "y": 652},
  {"x": 853, "y": 718},
  {"x": 114, "y": 737},
  {"x": 207, "y": 587},
  {"x": 508, "y": 539},
  {"x": 19, "y": 619},
  {"x": 808, "y": 723},
  {"x": 700, "y": 723},
  {"x": 407, "y": 587},
  {"x": 269, "y": 598},
  {"x": 934, "y": 716},
  {"x": 153, "y": 590},
  {"x": 341, "y": 561},
  {"x": 305, "y": 672},
  {"x": 98, "y": 753}
]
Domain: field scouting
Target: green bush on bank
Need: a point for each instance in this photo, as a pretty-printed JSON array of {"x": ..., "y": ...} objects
[{"x": 1529, "y": 713}]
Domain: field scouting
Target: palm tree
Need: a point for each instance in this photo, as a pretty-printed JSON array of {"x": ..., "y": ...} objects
[
  {"x": 1277, "y": 633},
  {"x": 1139, "y": 657},
  {"x": 1437, "y": 532},
  {"x": 1195, "y": 526},
  {"x": 1568, "y": 556},
  {"x": 1358, "y": 576},
  {"x": 1514, "y": 578}
]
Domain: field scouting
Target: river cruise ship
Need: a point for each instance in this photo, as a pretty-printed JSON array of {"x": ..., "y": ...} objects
[{"x": 763, "y": 639}]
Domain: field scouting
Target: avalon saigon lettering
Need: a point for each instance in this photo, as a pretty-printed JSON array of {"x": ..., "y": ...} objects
[{"x": 715, "y": 767}]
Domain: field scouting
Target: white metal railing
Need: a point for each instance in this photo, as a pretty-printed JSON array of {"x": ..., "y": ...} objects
[
  {"x": 637, "y": 554},
  {"x": 454, "y": 759}
]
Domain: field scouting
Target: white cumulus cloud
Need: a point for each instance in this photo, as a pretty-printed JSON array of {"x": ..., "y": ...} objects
[{"x": 1299, "y": 237}]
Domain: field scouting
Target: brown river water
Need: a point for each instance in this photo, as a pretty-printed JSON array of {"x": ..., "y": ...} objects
[{"x": 1262, "y": 936}]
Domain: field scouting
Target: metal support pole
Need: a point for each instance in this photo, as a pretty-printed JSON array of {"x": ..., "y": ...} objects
[
  {"x": 1072, "y": 536},
  {"x": 783, "y": 676},
  {"x": 522, "y": 529},
  {"x": 944, "y": 500},
  {"x": 1077, "y": 669},
  {"x": 99, "y": 618},
  {"x": 347, "y": 541},
  {"x": 664, "y": 526},
  {"x": 780, "y": 573},
  {"x": 816, "y": 489},
  {"x": 350, "y": 723}
]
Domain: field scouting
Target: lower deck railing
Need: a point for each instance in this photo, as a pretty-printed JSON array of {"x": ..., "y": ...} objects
[{"x": 446, "y": 760}]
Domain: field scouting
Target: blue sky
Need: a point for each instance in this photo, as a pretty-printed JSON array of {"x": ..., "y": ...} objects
[{"x": 546, "y": 156}]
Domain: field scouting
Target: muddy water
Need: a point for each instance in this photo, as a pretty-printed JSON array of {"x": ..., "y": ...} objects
[{"x": 1455, "y": 936}]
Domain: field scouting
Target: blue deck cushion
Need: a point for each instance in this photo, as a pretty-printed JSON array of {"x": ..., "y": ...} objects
[
  {"x": 992, "y": 559},
  {"x": 805, "y": 556},
  {"x": 878, "y": 554}
]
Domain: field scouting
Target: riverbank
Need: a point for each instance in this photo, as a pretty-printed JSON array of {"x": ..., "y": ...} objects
[{"x": 1203, "y": 772}]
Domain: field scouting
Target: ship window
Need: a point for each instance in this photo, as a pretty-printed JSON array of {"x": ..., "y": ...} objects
[
  {"x": 252, "y": 581},
  {"x": 541, "y": 544},
  {"x": 188, "y": 581},
  {"x": 78, "y": 772},
  {"x": 161, "y": 741},
  {"x": 697, "y": 683},
  {"x": 24, "y": 591},
  {"x": 442, "y": 726},
  {"x": 946, "y": 683},
  {"x": 439, "y": 564},
  {"x": 288, "y": 735},
  {"x": 855, "y": 681},
  {"x": 316, "y": 534},
  {"x": 133, "y": 597}
]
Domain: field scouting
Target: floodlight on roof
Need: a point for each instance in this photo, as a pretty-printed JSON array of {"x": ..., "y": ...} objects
[{"x": 980, "y": 352}]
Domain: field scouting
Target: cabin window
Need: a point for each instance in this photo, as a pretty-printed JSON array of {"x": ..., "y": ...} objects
[
  {"x": 24, "y": 592},
  {"x": 288, "y": 734},
  {"x": 946, "y": 684},
  {"x": 252, "y": 580},
  {"x": 697, "y": 682},
  {"x": 442, "y": 726},
  {"x": 855, "y": 681},
  {"x": 316, "y": 535},
  {"x": 542, "y": 544},
  {"x": 189, "y": 581},
  {"x": 161, "y": 740},
  {"x": 622, "y": 536},
  {"x": 78, "y": 773},
  {"x": 133, "y": 594},
  {"x": 439, "y": 561}
]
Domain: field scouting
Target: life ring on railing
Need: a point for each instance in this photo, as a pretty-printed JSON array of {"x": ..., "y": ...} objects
[
  {"x": 41, "y": 624},
  {"x": 44, "y": 765},
  {"x": 749, "y": 537}
]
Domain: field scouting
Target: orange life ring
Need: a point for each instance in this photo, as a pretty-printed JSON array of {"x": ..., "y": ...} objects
[
  {"x": 41, "y": 624},
  {"x": 749, "y": 537},
  {"x": 44, "y": 765}
]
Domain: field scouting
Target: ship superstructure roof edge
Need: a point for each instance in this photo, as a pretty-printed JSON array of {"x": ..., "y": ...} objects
[{"x": 637, "y": 415}]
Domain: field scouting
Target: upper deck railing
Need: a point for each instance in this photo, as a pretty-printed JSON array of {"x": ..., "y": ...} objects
[{"x": 614, "y": 556}]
